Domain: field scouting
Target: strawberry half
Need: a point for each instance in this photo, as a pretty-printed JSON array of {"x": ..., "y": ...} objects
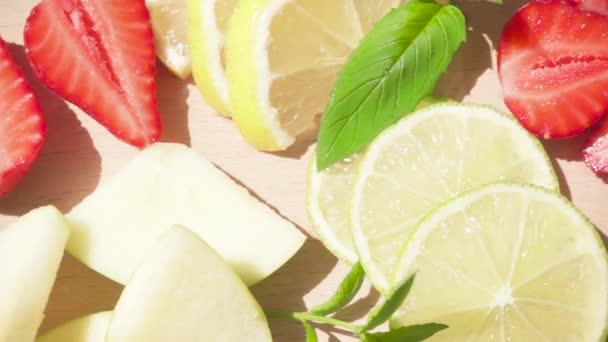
[
  {"x": 99, "y": 55},
  {"x": 553, "y": 67},
  {"x": 22, "y": 127}
]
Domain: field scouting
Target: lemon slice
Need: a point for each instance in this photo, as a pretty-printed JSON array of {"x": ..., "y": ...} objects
[
  {"x": 426, "y": 158},
  {"x": 169, "y": 23},
  {"x": 207, "y": 25},
  {"x": 90, "y": 328},
  {"x": 282, "y": 60},
  {"x": 507, "y": 262}
]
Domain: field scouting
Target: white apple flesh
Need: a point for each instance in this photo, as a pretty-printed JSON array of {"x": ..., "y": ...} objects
[
  {"x": 91, "y": 328},
  {"x": 184, "y": 291},
  {"x": 169, "y": 184},
  {"x": 30, "y": 253}
]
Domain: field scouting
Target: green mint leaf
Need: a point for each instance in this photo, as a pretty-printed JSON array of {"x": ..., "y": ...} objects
[
  {"x": 413, "y": 333},
  {"x": 393, "y": 68},
  {"x": 311, "y": 334},
  {"x": 393, "y": 301},
  {"x": 345, "y": 293},
  {"x": 368, "y": 338}
]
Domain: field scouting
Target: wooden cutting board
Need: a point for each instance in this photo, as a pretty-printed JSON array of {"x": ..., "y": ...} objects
[{"x": 80, "y": 154}]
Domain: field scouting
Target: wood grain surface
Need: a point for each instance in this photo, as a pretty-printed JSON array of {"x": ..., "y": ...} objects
[{"x": 80, "y": 154}]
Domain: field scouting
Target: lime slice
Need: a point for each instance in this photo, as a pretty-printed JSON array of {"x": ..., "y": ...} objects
[
  {"x": 328, "y": 197},
  {"x": 428, "y": 157},
  {"x": 282, "y": 60},
  {"x": 507, "y": 262},
  {"x": 207, "y": 25},
  {"x": 91, "y": 328},
  {"x": 168, "y": 19}
]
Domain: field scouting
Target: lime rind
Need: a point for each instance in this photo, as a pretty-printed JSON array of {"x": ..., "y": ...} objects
[
  {"x": 456, "y": 204},
  {"x": 325, "y": 231},
  {"x": 377, "y": 277}
]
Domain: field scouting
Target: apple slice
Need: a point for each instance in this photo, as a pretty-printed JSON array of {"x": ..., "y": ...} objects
[
  {"x": 91, "y": 328},
  {"x": 169, "y": 184},
  {"x": 30, "y": 253},
  {"x": 184, "y": 291}
]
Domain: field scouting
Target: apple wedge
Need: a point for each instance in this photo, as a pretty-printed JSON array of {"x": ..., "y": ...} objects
[
  {"x": 184, "y": 291},
  {"x": 169, "y": 184},
  {"x": 30, "y": 253},
  {"x": 90, "y": 328}
]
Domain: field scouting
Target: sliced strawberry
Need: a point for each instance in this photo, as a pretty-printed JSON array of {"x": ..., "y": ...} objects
[
  {"x": 597, "y": 6},
  {"x": 553, "y": 67},
  {"x": 99, "y": 54},
  {"x": 22, "y": 128}
]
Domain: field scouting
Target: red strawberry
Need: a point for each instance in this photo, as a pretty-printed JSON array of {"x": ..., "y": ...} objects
[
  {"x": 99, "y": 54},
  {"x": 22, "y": 128},
  {"x": 597, "y": 6},
  {"x": 553, "y": 66}
]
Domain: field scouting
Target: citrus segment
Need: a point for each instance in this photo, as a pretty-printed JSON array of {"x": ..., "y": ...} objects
[
  {"x": 168, "y": 19},
  {"x": 282, "y": 60},
  {"x": 428, "y": 157},
  {"x": 521, "y": 262}
]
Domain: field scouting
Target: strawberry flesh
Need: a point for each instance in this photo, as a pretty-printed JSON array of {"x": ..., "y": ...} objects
[
  {"x": 22, "y": 127},
  {"x": 99, "y": 55},
  {"x": 553, "y": 67}
]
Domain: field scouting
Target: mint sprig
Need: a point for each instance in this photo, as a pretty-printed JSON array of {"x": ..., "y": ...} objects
[
  {"x": 344, "y": 294},
  {"x": 393, "y": 68},
  {"x": 412, "y": 333},
  {"x": 394, "y": 300}
]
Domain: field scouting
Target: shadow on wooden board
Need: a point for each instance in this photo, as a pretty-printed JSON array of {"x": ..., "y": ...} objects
[
  {"x": 62, "y": 181},
  {"x": 173, "y": 106},
  {"x": 485, "y": 21}
]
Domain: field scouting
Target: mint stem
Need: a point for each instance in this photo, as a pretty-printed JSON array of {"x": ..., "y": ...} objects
[{"x": 306, "y": 316}]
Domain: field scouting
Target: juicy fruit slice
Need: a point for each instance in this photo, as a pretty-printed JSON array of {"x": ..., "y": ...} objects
[
  {"x": 99, "y": 55},
  {"x": 30, "y": 253},
  {"x": 521, "y": 262},
  {"x": 328, "y": 199},
  {"x": 282, "y": 59},
  {"x": 184, "y": 291},
  {"x": 207, "y": 26},
  {"x": 169, "y": 184},
  {"x": 91, "y": 328},
  {"x": 552, "y": 64},
  {"x": 170, "y": 27},
  {"x": 22, "y": 127},
  {"x": 427, "y": 158}
]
